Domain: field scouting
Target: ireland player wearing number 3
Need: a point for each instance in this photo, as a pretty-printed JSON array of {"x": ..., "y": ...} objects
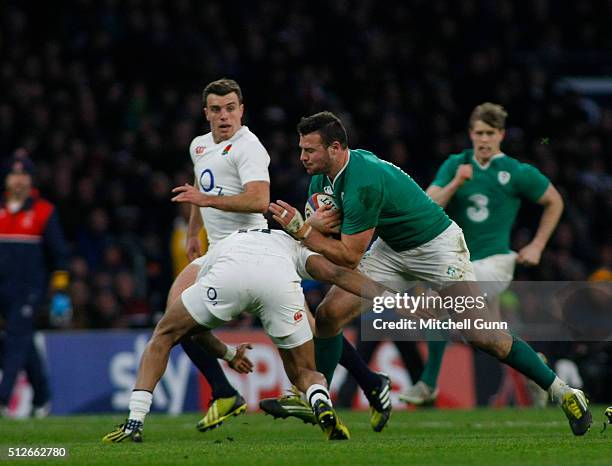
[{"x": 481, "y": 189}]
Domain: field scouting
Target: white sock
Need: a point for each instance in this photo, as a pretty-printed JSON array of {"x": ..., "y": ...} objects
[
  {"x": 317, "y": 392},
  {"x": 557, "y": 389},
  {"x": 140, "y": 404}
]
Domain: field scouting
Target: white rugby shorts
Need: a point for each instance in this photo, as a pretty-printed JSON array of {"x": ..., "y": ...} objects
[
  {"x": 439, "y": 262},
  {"x": 260, "y": 285},
  {"x": 495, "y": 273}
]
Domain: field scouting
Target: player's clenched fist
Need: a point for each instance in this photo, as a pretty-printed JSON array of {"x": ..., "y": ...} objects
[
  {"x": 530, "y": 255},
  {"x": 464, "y": 173}
]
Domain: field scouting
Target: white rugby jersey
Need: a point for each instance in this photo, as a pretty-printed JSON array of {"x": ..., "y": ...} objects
[
  {"x": 222, "y": 170},
  {"x": 248, "y": 245}
]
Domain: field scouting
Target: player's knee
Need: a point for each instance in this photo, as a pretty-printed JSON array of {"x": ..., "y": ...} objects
[
  {"x": 174, "y": 293},
  {"x": 184, "y": 280},
  {"x": 158, "y": 344},
  {"x": 490, "y": 342},
  {"x": 325, "y": 323},
  {"x": 165, "y": 335},
  {"x": 321, "y": 314}
]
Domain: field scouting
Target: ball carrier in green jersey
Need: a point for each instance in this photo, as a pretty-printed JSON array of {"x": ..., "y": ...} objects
[
  {"x": 416, "y": 240},
  {"x": 481, "y": 189}
]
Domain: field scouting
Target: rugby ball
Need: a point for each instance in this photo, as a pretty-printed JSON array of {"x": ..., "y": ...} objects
[{"x": 317, "y": 200}]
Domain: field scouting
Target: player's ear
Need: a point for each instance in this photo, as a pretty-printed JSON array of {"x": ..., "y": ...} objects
[
  {"x": 206, "y": 113},
  {"x": 502, "y": 133}
]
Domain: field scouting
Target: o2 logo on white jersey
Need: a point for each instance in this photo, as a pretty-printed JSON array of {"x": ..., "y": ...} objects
[
  {"x": 207, "y": 182},
  {"x": 478, "y": 212}
]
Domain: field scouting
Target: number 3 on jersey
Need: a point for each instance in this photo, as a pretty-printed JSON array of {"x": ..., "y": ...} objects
[
  {"x": 478, "y": 212},
  {"x": 207, "y": 182}
]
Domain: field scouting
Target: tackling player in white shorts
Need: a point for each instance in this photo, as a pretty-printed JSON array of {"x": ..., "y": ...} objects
[{"x": 257, "y": 271}]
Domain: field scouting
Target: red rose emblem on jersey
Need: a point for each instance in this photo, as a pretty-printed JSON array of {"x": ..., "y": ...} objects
[
  {"x": 227, "y": 149},
  {"x": 299, "y": 315}
]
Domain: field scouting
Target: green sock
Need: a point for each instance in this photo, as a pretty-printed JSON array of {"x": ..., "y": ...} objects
[
  {"x": 435, "y": 354},
  {"x": 327, "y": 355},
  {"x": 524, "y": 359}
]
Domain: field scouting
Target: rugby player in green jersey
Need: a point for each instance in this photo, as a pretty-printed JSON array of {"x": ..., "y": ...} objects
[
  {"x": 416, "y": 241},
  {"x": 481, "y": 189}
]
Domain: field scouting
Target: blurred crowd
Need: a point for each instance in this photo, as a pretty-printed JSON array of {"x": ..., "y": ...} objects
[{"x": 106, "y": 97}]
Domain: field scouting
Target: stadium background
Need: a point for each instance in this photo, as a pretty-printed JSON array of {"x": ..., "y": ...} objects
[{"x": 106, "y": 97}]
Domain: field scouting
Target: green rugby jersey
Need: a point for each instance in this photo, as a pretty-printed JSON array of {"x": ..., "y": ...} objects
[
  {"x": 374, "y": 193},
  {"x": 486, "y": 206}
]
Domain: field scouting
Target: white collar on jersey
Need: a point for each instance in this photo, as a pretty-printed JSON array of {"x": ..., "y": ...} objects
[
  {"x": 348, "y": 159},
  {"x": 486, "y": 165}
]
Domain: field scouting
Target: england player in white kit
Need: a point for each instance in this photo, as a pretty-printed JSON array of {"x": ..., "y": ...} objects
[
  {"x": 230, "y": 282},
  {"x": 224, "y": 169},
  {"x": 257, "y": 271},
  {"x": 231, "y": 190}
]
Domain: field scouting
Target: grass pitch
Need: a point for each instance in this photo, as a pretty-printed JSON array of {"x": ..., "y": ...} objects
[{"x": 482, "y": 436}]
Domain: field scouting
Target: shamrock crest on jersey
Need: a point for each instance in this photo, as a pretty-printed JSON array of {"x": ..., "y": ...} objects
[{"x": 503, "y": 177}]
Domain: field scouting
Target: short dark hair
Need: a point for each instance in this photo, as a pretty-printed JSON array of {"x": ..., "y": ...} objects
[
  {"x": 328, "y": 125},
  {"x": 492, "y": 114},
  {"x": 222, "y": 86}
]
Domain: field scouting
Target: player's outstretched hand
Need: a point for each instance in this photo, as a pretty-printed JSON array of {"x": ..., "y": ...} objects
[
  {"x": 282, "y": 212},
  {"x": 191, "y": 194},
  {"x": 326, "y": 219},
  {"x": 241, "y": 363}
]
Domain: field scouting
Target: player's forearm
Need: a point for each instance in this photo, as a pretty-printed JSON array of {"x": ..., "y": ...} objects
[
  {"x": 243, "y": 202},
  {"x": 322, "y": 269},
  {"x": 358, "y": 284},
  {"x": 548, "y": 222},
  {"x": 442, "y": 196},
  {"x": 195, "y": 222},
  {"x": 211, "y": 344},
  {"x": 335, "y": 250}
]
